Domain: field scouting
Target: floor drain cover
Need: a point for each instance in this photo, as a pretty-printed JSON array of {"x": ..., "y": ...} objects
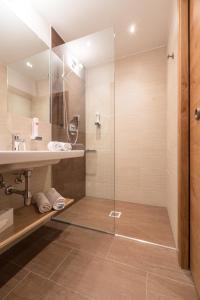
[{"x": 115, "y": 214}]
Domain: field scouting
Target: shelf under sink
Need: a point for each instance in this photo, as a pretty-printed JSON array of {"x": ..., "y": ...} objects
[{"x": 26, "y": 220}]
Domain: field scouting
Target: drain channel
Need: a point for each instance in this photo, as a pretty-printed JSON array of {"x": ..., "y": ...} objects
[{"x": 115, "y": 214}]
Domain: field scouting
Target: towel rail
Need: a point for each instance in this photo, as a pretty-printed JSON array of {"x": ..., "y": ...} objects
[{"x": 90, "y": 150}]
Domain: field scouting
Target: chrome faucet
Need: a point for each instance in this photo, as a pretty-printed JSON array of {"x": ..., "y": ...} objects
[{"x": 18, "y": 144}]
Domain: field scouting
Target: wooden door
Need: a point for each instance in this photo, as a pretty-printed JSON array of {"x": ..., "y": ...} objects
[{"x": 195, "y": 141}]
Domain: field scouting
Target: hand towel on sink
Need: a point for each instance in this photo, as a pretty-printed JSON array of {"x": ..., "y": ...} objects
[
  {"x": 56, "y": 200},
  {"x": 59, "y": 146},
  {"x": 42, "y": 202}
]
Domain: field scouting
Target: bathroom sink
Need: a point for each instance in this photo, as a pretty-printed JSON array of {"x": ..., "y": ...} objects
[{"x": 15, "y": 160}]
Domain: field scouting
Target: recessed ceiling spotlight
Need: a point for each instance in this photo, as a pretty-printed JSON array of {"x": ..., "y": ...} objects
[
  {"x": 88, "y": 44},
  {"x": 132, "y": 29},
  {"x": 29, "y": 65}
]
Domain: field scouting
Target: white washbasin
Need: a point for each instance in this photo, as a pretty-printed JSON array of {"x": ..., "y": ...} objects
[{"x": 15, "y": 160}]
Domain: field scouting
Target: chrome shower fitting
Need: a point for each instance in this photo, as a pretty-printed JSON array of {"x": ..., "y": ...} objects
[
  {"x": 171, "y": 56},
  {"x": 97, "y": 121},
  {"x": 2, "y": 182},
  {"x": 10, "y": 189},
  {"x": 18, "y": 144}
]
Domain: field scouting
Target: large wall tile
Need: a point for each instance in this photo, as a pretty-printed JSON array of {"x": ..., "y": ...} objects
[{"x": 140, "y": 131}]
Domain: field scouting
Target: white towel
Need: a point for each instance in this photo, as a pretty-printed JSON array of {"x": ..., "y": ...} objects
[
  {"x": 42, "y": 202},
  {"x": 56, "y": 200},
  {"x": 59, "y": 146}
]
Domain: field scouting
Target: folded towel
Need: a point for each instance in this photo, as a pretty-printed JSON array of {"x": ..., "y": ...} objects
[
  {"x": 56, "y": 200},
  {"x": 42, "y": 202},
  {"x": 59, "y": 146}
]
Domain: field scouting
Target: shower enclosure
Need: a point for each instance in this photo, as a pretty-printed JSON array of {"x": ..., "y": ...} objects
[
  {"x": 115, "y": 109},
  {"x": 83, "y": 114}
]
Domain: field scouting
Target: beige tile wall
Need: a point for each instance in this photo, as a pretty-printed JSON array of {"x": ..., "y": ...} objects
[
  {"x": 140, "y": 129},
  {"x": 100, "y": 165},
  {"x": 140, "y": 132},
  {"x": 145, "y": 131},
  {"x": 172, "y": 123}
]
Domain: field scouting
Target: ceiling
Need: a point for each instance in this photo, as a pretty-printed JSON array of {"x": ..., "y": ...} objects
[
  {"x": 91, "y": 50},
  {"x": 22, "y": 41},
  {"x": 77, "y": 18}
]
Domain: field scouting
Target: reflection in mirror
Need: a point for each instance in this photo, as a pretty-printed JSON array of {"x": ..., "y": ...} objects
[
  {"x": 24, "y": 68},
  {"x": 71, "y": 64},
  {"x": 28, "y": 87}
]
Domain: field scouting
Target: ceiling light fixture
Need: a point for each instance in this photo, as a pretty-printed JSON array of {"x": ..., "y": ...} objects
[
  {"x": 88, "y": 44},
  {"x": 132, "y": 29},
  {"x": 29, "y": 65}
]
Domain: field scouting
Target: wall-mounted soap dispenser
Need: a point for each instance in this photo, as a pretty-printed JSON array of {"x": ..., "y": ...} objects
[
  {"x": 35, "y": 129},
  {"x": 98, "y": 120}
]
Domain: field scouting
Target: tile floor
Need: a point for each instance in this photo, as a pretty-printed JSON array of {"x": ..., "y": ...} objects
[
  {"x": 90, "y": 212},
  {"x": 64, "y": 262},
  {"x": 145, "y": 222}
]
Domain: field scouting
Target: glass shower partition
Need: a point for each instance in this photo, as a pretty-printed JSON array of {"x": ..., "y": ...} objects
[{"x": 83, "y": 115}]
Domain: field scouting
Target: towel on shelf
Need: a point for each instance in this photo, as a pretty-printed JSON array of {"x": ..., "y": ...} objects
[
  {"x": 42, "y": 202},
  {"x": 59, "y": 146},
  {"x": 55, "y": 199}
]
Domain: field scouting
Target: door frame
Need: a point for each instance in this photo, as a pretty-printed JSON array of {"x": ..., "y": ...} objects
[{"x": 184, "y": 137}]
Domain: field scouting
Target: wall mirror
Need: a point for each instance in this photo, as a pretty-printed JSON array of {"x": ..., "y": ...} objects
[
  {"x": 24, "y": 69},
  {"x": 28, "y": 86}
]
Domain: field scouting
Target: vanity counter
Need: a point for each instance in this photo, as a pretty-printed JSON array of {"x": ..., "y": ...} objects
[{"x": 16, "y": 160}]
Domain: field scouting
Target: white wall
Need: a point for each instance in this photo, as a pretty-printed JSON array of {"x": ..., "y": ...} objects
[
  {"x": 28, "y": 97},
  {"x": 21, "y": 82},
  {"x": 172, "y": 123},
  {"x": 19, "y": 104},
  {"x": 3, "y": 88},
  {"x": 41, "y": 102}
]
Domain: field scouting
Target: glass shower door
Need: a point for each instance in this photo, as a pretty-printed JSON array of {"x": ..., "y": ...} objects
[{"x": 83, "y": 114}]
